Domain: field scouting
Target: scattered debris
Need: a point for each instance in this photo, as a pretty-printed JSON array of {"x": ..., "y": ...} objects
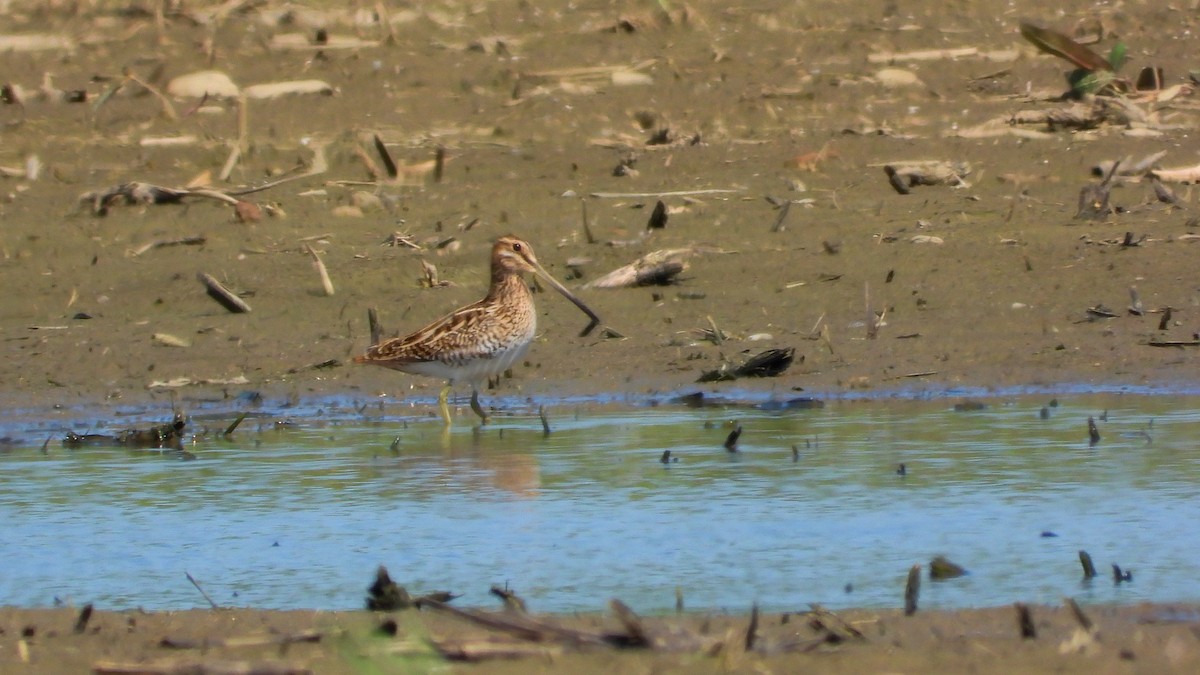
[
  {"x": 195, "y": 583},
  {"x": 912, "y": 590},
  {"x": 904, "y": 176},
  {"x": 197, "y": 240},
  {"x": 1025, "y": 622},
  {"x": 657, "y": 268},
  {"x": 170, "y": 340},
  {"x": 227, "y": 298},
  {"x": 1093, "y": 199},
  {"x": 658, "y": 217},
  {"x": 267, "y": 639},
  {"x": 1120, "y": 575},
  {"x": 1194, "y": 342},
  {"x": 85, "y": 615},
  {"x": 270, "y": 90},
  {"x": 941, "y": 568},
  {"x": 1135, "y": 302},
  {"x": 533, "y": 636},
  {"x": 732, "y": 439},
  {"x": 385, "y": 595},
  {"x": 1186, "y": 175},
  {"x": 1100, "y": 312},
  {"x": 1094, "y": 74},
  {"x": 168, "y": 435},
  {"x": 769, "y": 363},
  {"x": 512, "y": 601},
  {"x": 1089, "y": 570},
  {"x": 326, "y": 282},
  {"x": 783, "y": 213}
]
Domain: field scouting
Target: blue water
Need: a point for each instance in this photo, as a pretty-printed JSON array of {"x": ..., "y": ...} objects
[{"x": 300, "y": 515}]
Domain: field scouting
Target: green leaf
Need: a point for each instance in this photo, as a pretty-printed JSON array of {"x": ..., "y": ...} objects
[{"x": 1116, "y": 57}]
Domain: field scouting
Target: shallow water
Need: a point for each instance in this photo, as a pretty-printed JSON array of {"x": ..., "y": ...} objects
[{"x": 299, "y": 515}]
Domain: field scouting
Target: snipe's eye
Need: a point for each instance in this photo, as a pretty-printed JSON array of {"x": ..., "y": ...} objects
[{"x": 516, "y": 247}]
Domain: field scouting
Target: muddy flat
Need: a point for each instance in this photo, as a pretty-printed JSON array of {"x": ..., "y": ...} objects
[{"x": 772, "y": 136}]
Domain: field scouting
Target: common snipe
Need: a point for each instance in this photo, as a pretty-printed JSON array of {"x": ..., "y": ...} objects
[{"x": 481, "y": 340}]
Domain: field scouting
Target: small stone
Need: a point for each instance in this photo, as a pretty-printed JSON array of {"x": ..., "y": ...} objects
[
  {"x": 366, "y": 201},
  {"x": 197, "y": 84}
]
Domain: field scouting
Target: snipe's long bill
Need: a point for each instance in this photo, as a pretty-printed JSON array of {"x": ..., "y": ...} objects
[{"x": 483, "y": 339}]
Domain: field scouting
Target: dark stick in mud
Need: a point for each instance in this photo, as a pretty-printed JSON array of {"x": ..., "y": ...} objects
[
  {"x": 587, "y": 227},
  {"x": 752, "y": 629},
  {"x": 234, "y": 425},
  {"x": 1089, "y": 570},
  {"x": 197, "y": 585},
  {"x": 912, "y": 590},
  {"x": 1025, "y": 621},
  {"x": 373, "y": 322},
  {"x": 1084, "y": 622}
]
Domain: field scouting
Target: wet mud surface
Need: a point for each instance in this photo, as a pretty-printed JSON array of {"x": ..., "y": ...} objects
[
  {"x": 1124, "y": 640},
  {"x": 524, "y": 104}
]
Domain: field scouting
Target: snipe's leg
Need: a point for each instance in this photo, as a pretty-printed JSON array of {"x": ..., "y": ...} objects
[
  {"x": 443, "y": 405},
  {"x": 483, "y": 417}
]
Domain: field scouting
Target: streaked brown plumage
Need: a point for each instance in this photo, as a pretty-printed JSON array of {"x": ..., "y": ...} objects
[{"x": 480, "y": 340}]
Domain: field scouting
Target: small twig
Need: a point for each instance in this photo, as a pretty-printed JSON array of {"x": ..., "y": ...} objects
[
  {"x": 168, "y": 109},
  {"x": 1025, "y": 621},
  {"x": 429, "y": 275},
  {"x": 223, "y": 295},
  {"x": 587, "y": 228},
  {"x": 752, "y": 629},
  {"x": 644, "y": 195},
  {"x": 1173, "y": 343},
  {"x": 545, "y": 420},
  {"x": 373, "y": 322},
  {"x": 212, "y": 667},
  {"x": 1089, "y": 570},
  {"x": 1084, "y": 622},
  {"x": 512, "y": 601},
  {"x": 732, "y": 439},
  {"x": 197, "y": 585},
  {"x": 388, "y": 163},
  {"x": 718, "y": 336},
  {"x": 821, "y": 612},
  {"x": 632, "y": 623},
  {"x": 235, "y": 156},
  {"x": 1165, "y": 321},
  {"x": 912, "y": 590},
  {"x": 309, "y": 635},
  {"x": 85, "y": 615},
  {"x": 240, "y": 145},
  {"x": 163, "y": 243},
  {"x": 319, "y": 166},
  {"x": 326, "y": 282},
  {"x": 234, "y": 425},
  {"x": 519, "y": 626},
  {"x": 783, "y": 213}
]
